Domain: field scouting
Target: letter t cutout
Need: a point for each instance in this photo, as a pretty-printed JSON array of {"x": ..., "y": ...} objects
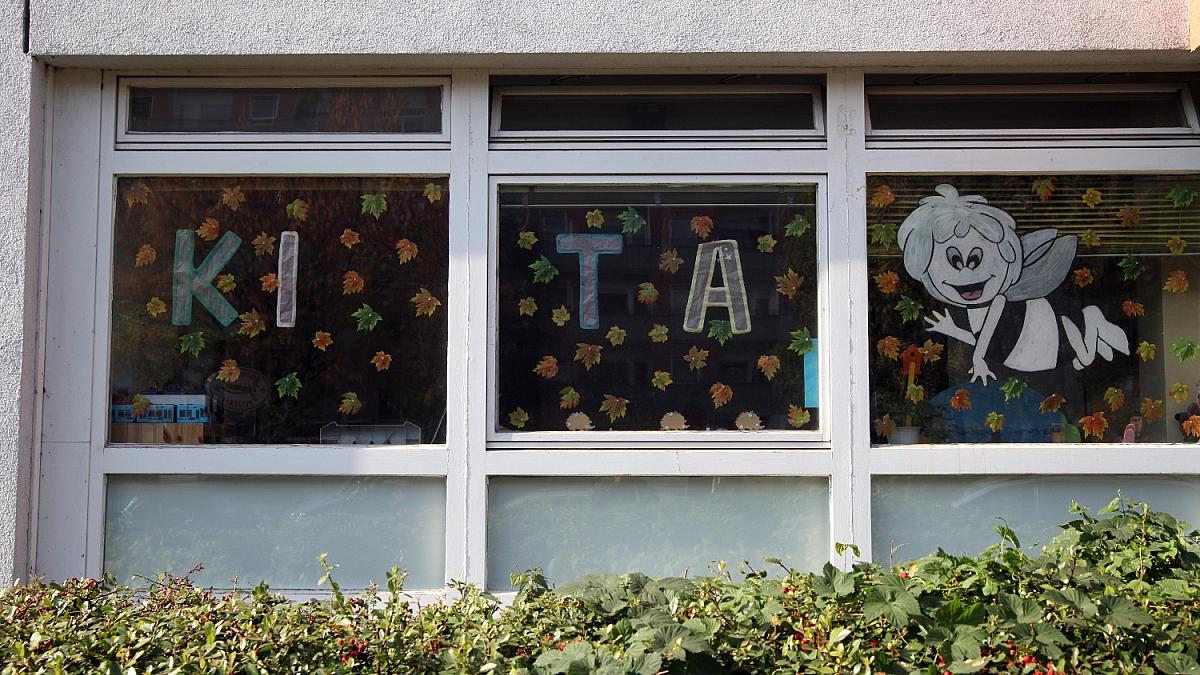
[{"x": 589, "y": 247}]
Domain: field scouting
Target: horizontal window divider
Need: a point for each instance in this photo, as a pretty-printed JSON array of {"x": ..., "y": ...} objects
[
  {"x": 647, "y": 462},
  {"x": 319, "y": 142},
  {"x": 1015, "y": 141},
  {"x": 1035, "y": 459},
  {"x": 284, "y": 460},
  {"x": 651, "y": 439},
  {"x": 748, "y": 142},
  {"x": 690, "y": 162},
  {"x": 945, "y": 161},
  {"x": 291, "y": 162}
]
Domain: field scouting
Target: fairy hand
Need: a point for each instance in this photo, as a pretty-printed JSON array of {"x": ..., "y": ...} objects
[{"x": 980, "y": 371}]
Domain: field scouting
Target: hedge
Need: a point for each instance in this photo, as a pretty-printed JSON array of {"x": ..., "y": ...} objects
[{"x": 1119, "y": 593}]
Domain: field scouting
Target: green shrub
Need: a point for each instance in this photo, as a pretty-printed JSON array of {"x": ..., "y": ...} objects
[{"x": 1119, "y": 594}]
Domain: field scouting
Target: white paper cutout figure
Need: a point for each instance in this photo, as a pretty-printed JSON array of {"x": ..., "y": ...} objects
[{"x": 968, "y": 254}]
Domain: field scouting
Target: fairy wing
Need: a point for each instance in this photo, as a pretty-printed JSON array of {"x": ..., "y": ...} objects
[{"x": 1047, "y": 261}]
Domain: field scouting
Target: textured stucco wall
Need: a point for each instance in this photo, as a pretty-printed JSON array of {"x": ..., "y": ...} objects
[{"x": 420, "y": 27}]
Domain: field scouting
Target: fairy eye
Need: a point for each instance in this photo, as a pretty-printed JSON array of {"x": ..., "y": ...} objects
[
  {"x": 974, "y": 258},
  {"x": 954, "y": 257}
]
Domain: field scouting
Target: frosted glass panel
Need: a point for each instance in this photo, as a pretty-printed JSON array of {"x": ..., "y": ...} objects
[
  {"x": 659, "y": 526},
  {"x": 258, "y": 528},
  {"x": 919, "y": 514}
]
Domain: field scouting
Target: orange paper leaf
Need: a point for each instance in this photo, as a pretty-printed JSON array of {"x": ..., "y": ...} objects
[
  {"x": 1132, "y": 308},
  {"x": 146, "y": 255},
  {"x": 1093, "y": 425},
  {"x": 209, "y": 229},
  {"x": 406, "y": 250},
  {"x": 1052, "y": 403},
  {"x": 424, "y": 302},
  {"x": 882, "y": 197},
  {"x": 232, "y": 197},
  {"x": 1083, "y": 276},
  {"x": 788, "y": 284},
  {"x": 349, "y": 238},
  {"x": 702, "y": 226},
  {"x": 961, "y": 400},
  {"x": 264, "y": 244},
  {"x": 352, "y": 282},
  {"x": 696, "y": 358},
  {"x": 321, "y": 340},
  {"x": 721, "y": 394},
  {"x": 615, "y": 406},
  {"x": 270, "y": 282},
  {"x": 669, "y": 261},
  {"x": 887, "y": 282},
  {"x": 253, "y": 323},
  {"x": 1177, "y": 282},
  {"x": 587, "y": 354},
  {"x": 1152, "y": 409},
  {"x": 382, "y": 361},
  {"x": 769, "y": 365},
  {"x": 547, "y": 367},
  {"x": 889, "y": 347}
]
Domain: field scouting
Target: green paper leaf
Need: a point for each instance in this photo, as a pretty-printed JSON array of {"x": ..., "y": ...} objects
[
  {"x": 1185, "y": 349},
  {"x": 191, "y": 343},
  {"x": 374, "y": 203},
  {"x": 797, "y": 226},
  {"x": 801, "y": 341},
  {"x": 631, "y": 221},
  {"x": 543, "y": 270},
  {"x": 1131, "y": 267},
  {"x": 720, "y": 330},
  {"x": 910, "y": 310},
  {"x": 1182, "y": 196},
  {"x": 884, "y": 234},
  {"x": 1013, "y": 389},
  {"x": 367, "y": 317},
  {"x": 288, "y": 385}
]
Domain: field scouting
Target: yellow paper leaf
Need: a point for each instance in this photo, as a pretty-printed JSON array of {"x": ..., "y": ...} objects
[
  {"x": 560, "y": 316},
  {"x": 1083, "y": 276},
  {"x": 350, "y": 404},
  {"x": 1091, "y": 197},
  {"x": 1152, "y": 409},
  {"x": 138, "y": 193},
  {"x": 768, "y": 364},
  {"x": 526, "y": 307},
  {"x": 156, "y": 306},
  {"x": 146, "y": 255},
  {"x": 797, "y": 417},
  {"x": 518, "y": 418},
  {"x": 616, "y": 336},
  {"x": 229, "y": 372}
]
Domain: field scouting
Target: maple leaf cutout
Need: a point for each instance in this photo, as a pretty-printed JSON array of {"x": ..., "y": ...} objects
[
  {"x": 1147, "y": 350},
  {"x": 1132, "y": 308},
  {"x": 616, "y": 336},
  {"x": 669, "y": 261},
  {"x": 889, "y": 347},
  {"x": 382, "y": 361},
  {"x": 661, "y": 380},
  {"x": 140, "y": 405},
  {"x": 1093, "y": 425},
  {"x": 587, "y": 354},
  {"x": 321, "y": 340},
  {"x": 887, "y": 282},
  {"x": 350, "y": 404},
  {"x": 615, "y": 406},
  {"x": 931, "y": 351},
  {"x": 568, "y": 398},
  {"x": 526, "y": 240},
  {"x": 424, "y": 302},
  {"x": 547, "y": 367},
  {"x": 526, "y": 307},
  {"x": 146, "y": 255},
  {"x": 155, "y": 306},
  {"x": 766, "y": 244},
  {"x": 1176, "y": 245},
  {"x": 1179, "y": 392},
  {"x": 1091, "y": 197},
  {"x": 1089, "y": 238},
  {"x": 1052, "y": 403},
  {"x": 253, "y": 323},
  {"x": 1177, "y": 282},
  {"x": 788, "y": 284},
  {"x": 594, "y": 218},
  {"x": 1151, "y": 409},
  {"x": 1083, "y": 276},
  {"x": 349, "y": 238},
  {"x": 209, "y": 229},
  {"x": 721, "y": 394},
  {"x": 518, "y": 418},
  {"x": 702, "y": 226},
  {"x": 1044, "y": 188},
  {"x": 882, "y": 197},
  {"x": 432, "y": 192},
  {"x": 798, "y": 417},
  {"x": 298, "y": 210},
  {"x": 994, "y": 421},
  {"x": 192, "y": 343},
  {"x": 961, "y": 400},
  {"x": 768, "y": 364},
  {"x": 647, "y": 294},
  {"x": 560, "y": 316},
  {"x": 696, "y": 358},
  {"x": 1129, "y": 215},
  {"x": 352, "y": 282},
  {"x": 226, "y": 283},
  {"x": 232, "y": 197},
  {"x": 264, "y": 244},
  {"x": 1115, "y": 398},
  {"x": 138, "y": 193},
  {"x": 229, "y": 371},
  {"x": 374, "y": 204},
  {"x": 270, "y": 282},
  {"x": 884, "y": 426}
]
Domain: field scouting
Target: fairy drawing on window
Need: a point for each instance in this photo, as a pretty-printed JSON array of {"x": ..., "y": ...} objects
[{"x": 968, "y": 255}]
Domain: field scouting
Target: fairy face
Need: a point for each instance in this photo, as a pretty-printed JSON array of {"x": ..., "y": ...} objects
[{"x": 967, "y": 271}]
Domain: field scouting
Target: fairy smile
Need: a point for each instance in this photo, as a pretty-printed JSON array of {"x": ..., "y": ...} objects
[{"x": 969, "y": 292}]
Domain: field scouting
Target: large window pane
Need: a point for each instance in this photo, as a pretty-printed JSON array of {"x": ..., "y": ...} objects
[
  {"x": 640, "y": 308},
  {"x": 256, "y": 528},
  {"x": 658, "y": 526},
  {"x": 909, "y": 513},
  {"x": 279, "y": 310},
  {"x": 1034, "y": 309}
]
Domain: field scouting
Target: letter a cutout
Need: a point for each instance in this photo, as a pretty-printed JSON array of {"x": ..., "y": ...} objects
[
  {"x": 188, "y": 281},
  {"x": 731, "y": 294},
  {"x": 589, "y": 247}
]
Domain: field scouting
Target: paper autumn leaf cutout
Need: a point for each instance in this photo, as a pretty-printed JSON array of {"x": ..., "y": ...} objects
[
  {"x": 594, "y": 218},
  {"x": 560, "y": 316},
  {"x": 1179, "y": 392},
  {"x": 909, "y": 309},
  {"x": 1052, "y": 403},
  {"x": 321, "y": 340},
  {"x": 1147, "y": 350},
  {"x": 647, "y": 294},
  {"x": 1091, "y": 197},
  {"x": 146, "y": 255},
  {"x": 349, "y": 238},
  {"x": 1115, "y": 398},
  {"x": 768, "y": 364},
  {"x": 518, "y": 418},
  {"x": 797, "y": 226},
  {"x": 526, "y": 307},
  {"x": 915, "y": 393},
  {"x": 229, "y": 371},
  {"x": 931, "y": 351},
  {"x": 888, "y": 347},
  {"x": 1089, "y": 238},
  {"x": 661, "y": 380},
  {"x": 1191, "y": 426},
  {"x": 432, "y": 192},
  {"x": 587, "y": 354},
  {"x": 669, "y": 261},
  {"x": 1177, "y": 282},
  {"x": 720, "y": 330},
  {"x": 138, "y": 193},
  {"x": 1132, "y": 308},
  {"x": 798, "y": 417},
  {"x": 1131, "y": 267},
  {"x": 1013, "y": 389},
  {"x": 191, "y": 343},
  {"x": 1093, "y": 425},
  {"x": 424, "y": 302},
  {"x": 350, "y": 404},
  {"x": 766, "y": 244},
  {"x": 209, "y": 229},
  {"x": 1083, "y": 276},
  {"x": 352, "y": 282},
  {"x": 702, "y": 226},
  {"x": 233, "y": 197},
  {"x": 801, "y": 342},
  {"x": 961, "y": 400},
  {"x": 616, "y": 336},
  {"x": 1151, "y": 409},
  {"x": 615, "y": 406},
  {"x": 1182, "y": 196},
  {"x": 884, "y": 426},
  {"x": 367, "y": 317},
  {"x": 544, "y": 271},
  {"x": 1129, "y": 215},
  {"x": 155, "y": 306},
  {"x": 788, "y": 284},
  {"x": 882, "y": 197},
  {"x": 288, "y": 385},
  {"x": 298, "y": 210},
  {"x": 264, "y": 244},
  {"x": 994, "y": 421},
  {"x": 226, "y": 283},
  {"x": 374, "y": 204},
  {"x": 884, "y": 234},
  {"x": 568, "y": 398},
  {"x": 140, "y": 405},
  {"x": 526, "y": 239},
  {"x": 720, "y": 394},
  {"x": 270, "y": 282},
  {"x": 631, "y": 221},
  {"x": 1185, "y": 349},
  {"x": 253, "y": 323},
  {"x": 382, "y": 361},
  {"x": 1176, "y": 245},
  {"x": 547, "y": 367},
  {"x": 1044, "y": 188},
  {"x": 658, "y": 333},
  {"x": 696, "y": 358},
  {"x": 887, "y": 282}
]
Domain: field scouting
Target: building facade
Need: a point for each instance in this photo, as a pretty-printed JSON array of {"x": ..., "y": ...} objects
[{"x": 472, "y": 287}]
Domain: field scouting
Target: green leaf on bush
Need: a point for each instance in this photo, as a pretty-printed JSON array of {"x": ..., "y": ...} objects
[{"x": 1176, "y": 663}]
